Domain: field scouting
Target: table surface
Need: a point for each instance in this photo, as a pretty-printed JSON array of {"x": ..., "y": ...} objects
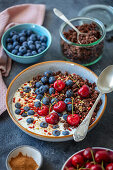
[{"x": 55, "y": 154}]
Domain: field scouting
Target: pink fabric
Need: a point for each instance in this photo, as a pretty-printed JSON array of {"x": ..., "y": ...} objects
[{"x": 25, "y": 13}]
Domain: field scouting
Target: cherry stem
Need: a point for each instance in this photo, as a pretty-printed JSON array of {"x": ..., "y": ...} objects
[
  {"x": 57, "y": 83},
  {"x": 50, "y": 108},
  {"x": 72, "y": 105},
  {"x": 102, "y": 165},
  {"x": 93, "y": 157},
  {"x": 74, "y": 81}
]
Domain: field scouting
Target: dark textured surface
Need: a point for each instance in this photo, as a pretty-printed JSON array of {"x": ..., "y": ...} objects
[{"x": 55, "y": 154}]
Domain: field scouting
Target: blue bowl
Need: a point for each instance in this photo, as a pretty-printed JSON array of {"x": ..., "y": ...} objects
[{"x": 40, "y": 30}]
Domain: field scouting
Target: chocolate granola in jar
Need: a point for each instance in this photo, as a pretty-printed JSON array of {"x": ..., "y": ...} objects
[{"x": 88, "y": 50}]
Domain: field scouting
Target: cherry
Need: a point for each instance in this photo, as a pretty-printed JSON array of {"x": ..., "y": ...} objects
[
  {"x": 84, "y": 91},
  {"x": 43, "y": 111},
  {"x": 52, "y": 118},
  {"x": 60, "y": 106},
  {"x": 111, "y": 156},
  {"x": 101, "y": 156},
  {"x": 73, "y": 119},
  {"x": 96, "y": 167},
  {"x": 109, "y": 166},
  {"x": 59, "y": 85},
  {"x": 87, "y": 153},
  {"x": 89, "y": 164},
  {"x": 70, "y": 168},
  {"x": 77, "y": 160}
]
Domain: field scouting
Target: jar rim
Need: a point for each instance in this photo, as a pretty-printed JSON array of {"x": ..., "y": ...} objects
[{"x": 98, "y": 23}]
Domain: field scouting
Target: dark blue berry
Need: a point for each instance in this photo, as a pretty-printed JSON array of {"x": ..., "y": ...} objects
[
  {"x": 15, "y": 38},
  {"x": 10, "y": 47},
  {"x": 69, "y": 83},
  {"x": 30, "y": 112},
  {"x": 55, "y": 126},
  {"x": 17, "y": 47},
  {"x": 15, "y": 43},
  {"x": 22, "y": 39},
  {"x": 24, "y": 31},
  {"x": 17, "y": 111},
  {"x": 69, "y": 107},
  {"x": 48, "y": 73},
  {"x": 30, "y": 43},
  {"x": 51, "y": 91},
  {"x": 38, "y": 46},
  {"x": 26, "y": 108},
  {"x": 28, "y": 54},
  {"x": 56, "y": 132},
  {"x": 45, "y": 101},
  {"x": 23, "y": 49},
  {"x": 43, "y": 38},
  {"x": 40, "y": 50},
  {"x": 44, "y": 124},
  {"x": 25, "y": 43},
  {"x": 14, "y": 52},
  {"x": 51, "y": 80},
  {"x": 39, "y": 96},
  {"x": 65, "y": 132},
  {"x": 54, "y": 101},
  {"x": 24, "y": 114},
  {"x": 19, "y": 54},
  {"x": 9, "y": 40},
  {"x": 38, "y": 37},
  {"x": 32, "y": 47},
  {"x": 33, "y": 37},
  {"x": 65, "y": 116},
  {"x": 21, "y": 34},
  {"x": 45, "y": 88},
  {"x": 69, "y": 93},
  {"x": 12, "y": 33},
  {"x": 37, "y": 104},
  {"x": 38, "y": 84},
  {"x": 38, "y": 91},
  {"x": 18, "y": 105},
  {"x": 29, "y": 32},
  {"x": 34, "y": 52},
  {"x": 60, "y": 114},
  {"x": 44, "y": 80},
  {"x": 67, "y": 100},
  {"x": 37, "y": 42},
  {"x": 27, "y": 89},
  {"x": 30, "y": 120}
]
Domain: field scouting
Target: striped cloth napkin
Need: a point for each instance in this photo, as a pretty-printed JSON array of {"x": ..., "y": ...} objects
[{"x": 19, "y": 14}]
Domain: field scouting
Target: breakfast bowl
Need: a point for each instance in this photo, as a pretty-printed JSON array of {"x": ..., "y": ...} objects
[
  {"x": 90, "y": 158},
  {"x": 34, "y": 119},
  {"x": 26, "y": 43},
  {"x": 25, "y": 150},
  {"x": 89, "y": 48}
]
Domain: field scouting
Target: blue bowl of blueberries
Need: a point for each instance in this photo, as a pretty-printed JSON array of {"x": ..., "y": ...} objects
[{"x": 26, "y": 43}]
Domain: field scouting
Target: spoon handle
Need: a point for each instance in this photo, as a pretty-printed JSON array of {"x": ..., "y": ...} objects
[
  {"x": 61, "y": 16},
  {"x": 81, "y": 131}
]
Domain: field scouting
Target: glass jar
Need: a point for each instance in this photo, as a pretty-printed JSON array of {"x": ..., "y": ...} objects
[{"x": 85, "y": 54}]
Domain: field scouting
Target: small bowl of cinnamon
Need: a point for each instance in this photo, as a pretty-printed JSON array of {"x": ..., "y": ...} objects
[{"x": 24, "y": 157}]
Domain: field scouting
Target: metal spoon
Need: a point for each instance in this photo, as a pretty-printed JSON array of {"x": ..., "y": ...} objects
[
  {"x": 61, "y": 16},
  {"x": 105, "y": 85}
]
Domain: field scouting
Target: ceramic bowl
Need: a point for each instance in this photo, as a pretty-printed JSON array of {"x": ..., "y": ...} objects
[
  {"x": 54, "y": 66},
  {"x": 40, "y": 30},
  {"x": 68, "y": 162},
  {"x": 25, "y": 150}
]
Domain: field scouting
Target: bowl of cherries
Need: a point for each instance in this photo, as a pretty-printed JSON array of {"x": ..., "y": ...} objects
[{"x": 95, "y": 158}]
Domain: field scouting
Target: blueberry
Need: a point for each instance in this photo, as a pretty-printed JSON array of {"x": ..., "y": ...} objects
[
  {"x": 39, "y": 96},
  {"x": 44, "y": 44},
  {"x": 69, "y": 93},
  {"x": 43, "y": 38},
  {"x": 24, "y": 114},
  {"x": 19, "y": 54},
  {"x": 30, "y": 43},
  {"x": 28, "y": 54},
  {"x": 65, "y": 132},
  {"x": 54, "y": 101},
  {"x": 15, "y": 43},
  {"x": 38, "y": 91},
  {"x": 22, "y": 39},
  {"x": 55, "y": 126},
  {"x": 29, "y": 51},
  {"x": 30, "y": 112},
  {"x": 44, "y": 80},
  {"x": 48, "y": 73},
  {"x": 37, "y": 104},
  {"x": 34, "y": 52},
  {"x": 65, "y": 116},
  {"x": 37, "y": 42},
  {"x": 25, "y": 43},
  {"x": 38, "y": 46},
  {"x": 51, "y": 91},
  {"x": 69, "y": 83},
  {"x": 47, "y": 87},
  {"x": 33, "y": 37},
  {"x": 8, "y": 40},
  {"x": 40, "y": 50},
  {"x": 38, "y": 37},
  {"x": 29, "y": 32},
  {"x": 17, "y": 47},
  {"x": 43, "y": 124},
  {"x": 24, "y": 31},
  {"x": 10, "y": 47},
  {"x": 21, "y": 34},
  {"x": 23, "y": 49},
  {"x": 45, "y": 101},
  {"x": 30, "y": 120},
  {"x": 67, "y": 100},
  {"x": 69, "y": 107},
  {"x": 51, "y": 80},
  {"x": 56, "y": 132},
  {"x": 27, "y": 89},
  {"x": 15, "y": 38},
  {"x": 59, "y": 114},
  {"x": 12, "y": 33},
  {"x": 17, "y": 111},
  {"x": 32, "y": 47},
  {"x": 14, "y": 51},
  {"x": 18, "y": 105},
  {"x": 26, "y": 108},
  {"x": 38, "y": 84}
]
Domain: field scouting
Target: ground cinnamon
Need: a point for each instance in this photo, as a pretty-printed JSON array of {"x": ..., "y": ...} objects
[{"x": 21, "y": 162}]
